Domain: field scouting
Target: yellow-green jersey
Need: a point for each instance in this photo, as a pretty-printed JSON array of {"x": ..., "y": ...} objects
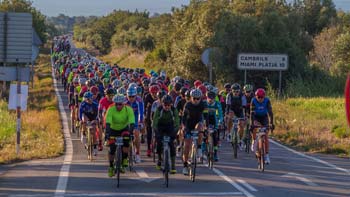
[{"x": 119, "y": 120}]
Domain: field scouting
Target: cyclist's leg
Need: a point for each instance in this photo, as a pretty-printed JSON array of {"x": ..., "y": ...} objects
[
  {"x": 187, "y": 145},
  {"x": 137, "y": 144},
  {"x": 229, "y": 122},
  {"x": 149, "y": 135}
]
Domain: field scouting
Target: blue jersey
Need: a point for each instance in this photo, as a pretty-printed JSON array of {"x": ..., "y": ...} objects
[
  {"x": 214, "y": 113},
  {"x": 137, "y": 107},
  {"x": 89, "y": 110},
  {"x": 261, "y": 109}
]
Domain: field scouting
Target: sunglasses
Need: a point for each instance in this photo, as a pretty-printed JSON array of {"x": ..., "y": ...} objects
[
  {"x": 119, "y": 104},
  {"x": 196, "y": 98},
  {"x": 236, "y": 91},
  {"x": 167, "y": 105},
  {"x": 131, "y": 96},
  {"x": 260, "y": 97}
]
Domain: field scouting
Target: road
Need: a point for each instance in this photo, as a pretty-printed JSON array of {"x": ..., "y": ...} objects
[{"x": 290, "y": 174}]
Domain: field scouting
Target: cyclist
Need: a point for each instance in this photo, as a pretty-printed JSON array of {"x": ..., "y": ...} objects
[
  {"x": 166, "y": 122},
  {"x": 261, "y": 114},
  {"x": 234, "y": 107},
  {"x": 179, "y": 105},
  {"x": 138, "y": 113},
  {"x": 249, "y": 95},
  {"x": 88, "y": 112},
  {"x": 214, "y": 117},
  {"x": 193, "y": 119},
  {"x": 148, "y": 101},
  {"x": 120, "y": 121}
]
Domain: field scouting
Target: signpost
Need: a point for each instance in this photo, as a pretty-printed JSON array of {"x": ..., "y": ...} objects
[
  {"x": 205, "y": 57},
  {"x": 16, "y": 38},
  {"x": 263, "y": 61}
]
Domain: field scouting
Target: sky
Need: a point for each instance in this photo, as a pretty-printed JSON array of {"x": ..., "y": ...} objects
[{"x": 103, "y": 7}]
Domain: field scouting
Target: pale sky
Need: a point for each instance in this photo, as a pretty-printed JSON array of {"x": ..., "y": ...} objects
[{"x": 104, "y": 7}]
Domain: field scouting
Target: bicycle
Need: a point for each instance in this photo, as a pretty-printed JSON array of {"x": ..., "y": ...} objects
[
  {"x": 91, "y": 129},
  {"x": 153, "y": 146},
  {"x": 247, "y": 139},
  {"x": 119, "y": 142},
  {"x": 193, "y": 164},
  {"x": 131, "y": 151},
  {"x": 235, "y": 136},
  {"x": 166, "y": 157},
  {"x": 210, "y": 146},
  {"x": 261, "y": 152}
]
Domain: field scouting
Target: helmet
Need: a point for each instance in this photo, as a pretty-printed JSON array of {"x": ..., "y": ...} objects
[
  {"x": 121, "y": 91},
  {"x": 100, "y": 69},
  {"x": 91, "y": 75},
  {"x": 215, "y": 90},
  {"x": 131, "y": 91},
  {"x": 167, "y": 99},
  {"x": 116, "y": 83},
  {"x": 106, "y": 80},
  {"x": 139, "y": 90},
  {"x": 75, "y": 80},
  {"x": 94, "y": 90},
  {"x": 197, "y": 83},
  {"x": 177, "y": 86},
  {"x": 109, "y": 91},
  {"x": 183, "y": 91},
  {"x": 161, "y": 93},
  {"x": 119, "y": 98},
  {"x": 260, "y": 93},
  {"x": 154, "y": 89},
  {"x": 188, "y": 93},
  {"x": 227, "y": 86},
  {"x": 82, "y": 80},
  {"x": 88, "y": 82},
  {"x": 196, "y": 93},
  {"x": 236, "y": 86},
  {"x": 88, "y": 95},
  {"x": 132, "y": 85},
  {"x": 123, "y": 76},
  {"x": 209, "y": 87},
  {"x": 248, "y": 88},
  {"x": 211, "y": 95},
  {"x": 135, "y": 75},
  {"x": 80, "y": 67},
  {"x": 203, "y": 89},
  {"x": 145, "y": 82}
]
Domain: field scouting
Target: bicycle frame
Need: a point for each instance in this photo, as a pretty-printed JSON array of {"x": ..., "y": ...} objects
[
  {"x": 260, "y": 137},
  {"x": 118, "y": 157},
  {"x": 193, "y": 164},
  {"x": 91, "y": 129},
  {"x": 210, "y": 146}
]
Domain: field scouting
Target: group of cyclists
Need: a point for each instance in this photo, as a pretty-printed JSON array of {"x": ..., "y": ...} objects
[{"x": 147, "y": 106}]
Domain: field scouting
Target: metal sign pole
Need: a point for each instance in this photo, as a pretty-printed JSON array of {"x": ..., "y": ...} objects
[
  {"x": 280, "y": 85},
  {"x": 245, "y": 76},
  {"x": 210, "y": 73},
  {"x": 18, "y": 128}
]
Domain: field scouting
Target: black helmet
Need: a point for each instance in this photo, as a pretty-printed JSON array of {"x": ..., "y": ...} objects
[
  {"x": 236, "y": 86},
  {"x": 227, "y": 85},
  {"x": 167, "y": 99},
  {"x": 109, "y": 91},
  {"x": 183, "y": 91},
  {"x": 177, "y": 86},
  {"x": 211, "y": 94},
  {"x": 161, "y": 93}
]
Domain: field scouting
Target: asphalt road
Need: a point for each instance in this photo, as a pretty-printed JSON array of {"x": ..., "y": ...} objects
[{"x": 290, "y": 174}]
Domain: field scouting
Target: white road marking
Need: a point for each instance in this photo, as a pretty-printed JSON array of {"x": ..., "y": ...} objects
[
  {"x": 312, "y": 158},
  {"x": 300, "y": 178},
  {"x": 144, "y": 176},
  {"x": 234, "y": 184},
  {"x": 148, "y": 194},
  {"x": 247, "y": 185},
  {"x": 64, "y": 173}
]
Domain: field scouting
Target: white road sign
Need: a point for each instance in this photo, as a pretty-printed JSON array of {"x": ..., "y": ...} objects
[
  {"x": 14, "y": 97},
  {"x": 262, "y": 61}
]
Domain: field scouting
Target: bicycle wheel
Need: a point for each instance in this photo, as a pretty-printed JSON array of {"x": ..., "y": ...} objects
[
  {"x": 210, "y": 152},
  {"x": 131, "y": 159},
  {"x": 72, "y": 125},
  {"x": 166, "y": 167},
  {"x": 234, "y": 144},
  {"x": 90, "y": 144},
  {"x": 262, "y": 155},
  {"x": 193, "y": 164},
  {"x": 78, "y": 128},
  {"x": 247, "y": 140},
  {"x": 118, "y": 164}
]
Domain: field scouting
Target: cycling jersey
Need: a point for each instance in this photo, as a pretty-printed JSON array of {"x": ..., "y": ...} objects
[
  {"x": 137, "y": 107},
  {"x": 89, "y": 110},
  {"x": 235, "y": 104},
  {"x": 163, "y": 120},
  {"x": 261, "y": 111},
  {"x": 193, "y": 114},
  {"x": 214, "y": 113},
  {"x": 120, "y": 119}
]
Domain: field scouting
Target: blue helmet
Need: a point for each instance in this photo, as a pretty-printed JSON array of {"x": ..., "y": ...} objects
[
  {"x": 88, "y": 95},
  {"x": 131, "y": 91}
]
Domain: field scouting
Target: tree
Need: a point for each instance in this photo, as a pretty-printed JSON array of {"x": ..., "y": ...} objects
[{"x": 26, "y": 6}]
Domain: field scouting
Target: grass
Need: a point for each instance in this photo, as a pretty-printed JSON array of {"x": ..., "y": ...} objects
[
  {"x": 312, "y": 124},
  {"x": 41, "y": 135}
]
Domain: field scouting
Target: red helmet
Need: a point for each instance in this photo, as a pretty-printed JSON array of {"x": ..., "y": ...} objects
[
  {"x": 260, "y": 93},
  {"x": 197, "y": 83},
  {"x": 91, "y": 75},
  {"x": 94, "y": 90},
  {"x": 153, "y": 89},
  {"x": 80, "y": 67},
  {"x": 203, "y": 89}
]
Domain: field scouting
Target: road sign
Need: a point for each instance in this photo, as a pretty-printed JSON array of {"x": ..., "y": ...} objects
[
  {"x": 10, "y": 74},
  {"x": 206, "y": 56},
  {"x": 16, "y": 37},
  {"x": 14, "y": 97},
  {"x": 262, "y": 61}
]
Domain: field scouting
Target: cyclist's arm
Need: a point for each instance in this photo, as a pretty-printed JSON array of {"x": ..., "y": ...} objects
[
  {"x": 220, "y": 113},
  {"x": 155, "y": 119},
  {"x": 141, "y": 111},
  {"x": 269, "y": 111},
  {"x": 252, "y": 112},
  {"x": 131, "y": 119},
  {"x": 81, "y": 111}
]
